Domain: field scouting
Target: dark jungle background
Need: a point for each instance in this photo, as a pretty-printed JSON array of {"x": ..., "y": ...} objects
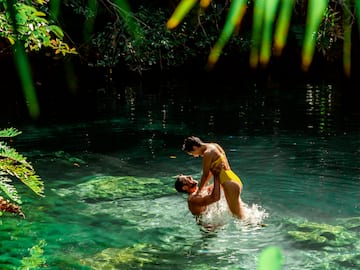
[{"x": 112, "y": 64}]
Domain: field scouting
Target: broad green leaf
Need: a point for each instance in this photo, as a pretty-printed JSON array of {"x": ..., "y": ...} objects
[
  {"x": 270, "y": 259},
  {"x": 316, "y": 10},
  {"x": 180, "y": 12},
  {"x": 56, "y": 30}
]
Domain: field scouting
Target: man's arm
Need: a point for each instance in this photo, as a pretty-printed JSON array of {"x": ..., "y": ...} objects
[{"x": 208, "y": 199}]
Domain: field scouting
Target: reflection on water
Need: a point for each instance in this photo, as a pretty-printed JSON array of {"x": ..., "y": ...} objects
[
  {"x": 110, "y": 201},
  {"x": 321, "y": 106}
]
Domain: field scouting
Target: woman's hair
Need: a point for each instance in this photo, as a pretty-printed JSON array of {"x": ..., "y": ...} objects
[{"x": 190, "y": 142}]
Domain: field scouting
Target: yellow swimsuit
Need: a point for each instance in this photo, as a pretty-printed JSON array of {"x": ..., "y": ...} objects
[{"x": 225, "y": 175}]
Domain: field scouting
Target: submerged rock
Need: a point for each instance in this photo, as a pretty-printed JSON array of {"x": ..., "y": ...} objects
[
  {"x": 325, "y": 234},
  {"x": 114, "y": 258},
  {"x": 115, "y": 187}
]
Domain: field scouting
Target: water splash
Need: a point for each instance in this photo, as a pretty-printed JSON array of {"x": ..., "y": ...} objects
[
  {"x": 254, "y": 214},
  {"x": 217, "y": 215}
]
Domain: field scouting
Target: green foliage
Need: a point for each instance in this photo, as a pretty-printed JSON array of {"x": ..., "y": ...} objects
[
  {"x": 31, "y": 28},
  {"x": 153, "y": 46},
  {"x": 15, "y": 166},
  {"x": 322, "y": 29}
]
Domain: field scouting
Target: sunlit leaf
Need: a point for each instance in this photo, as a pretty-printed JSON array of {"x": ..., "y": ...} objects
[
  {"x": 12, "y": 41},
  {"x": 236, "y": 13},
  {"x": 205, "y": 3},
  {"x": 316, "y": 10},
  {"x": 56, "y": 30},
  {"x": 180, "y": 12},
  {"x": 39, "y": 14},
  {"x": 282, "y": 25}
]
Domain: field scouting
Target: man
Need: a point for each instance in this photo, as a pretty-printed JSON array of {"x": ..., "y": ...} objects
[
  {"x": 198, "y": 202},
  {"x": 214, "y": 156}
]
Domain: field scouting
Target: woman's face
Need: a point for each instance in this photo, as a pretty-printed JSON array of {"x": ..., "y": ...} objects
[{"x": 195, "y": 152}]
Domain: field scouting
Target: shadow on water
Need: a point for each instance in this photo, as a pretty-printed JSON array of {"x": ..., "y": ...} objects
[{"x": 110, "y": 201}]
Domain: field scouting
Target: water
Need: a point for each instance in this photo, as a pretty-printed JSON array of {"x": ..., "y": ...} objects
[{"x": 110, "y": 201}]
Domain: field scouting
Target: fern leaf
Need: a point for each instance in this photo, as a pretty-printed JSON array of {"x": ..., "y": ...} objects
[
  {"x": 10, "y": 153},
  {"x": 9, "y": 132},
  {"x": 8, "y": 188},
  {"x": 7, "y": 206},
  {"x": 25, "y": 174}
]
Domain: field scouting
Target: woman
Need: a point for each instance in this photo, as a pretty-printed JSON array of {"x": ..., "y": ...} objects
[{"x": 213, "y": 155}]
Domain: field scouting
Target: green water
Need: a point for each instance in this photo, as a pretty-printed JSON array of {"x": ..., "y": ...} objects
[{"x": 110, "y": 201}]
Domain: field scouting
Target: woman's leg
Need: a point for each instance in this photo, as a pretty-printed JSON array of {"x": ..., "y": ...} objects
[{"x": 232, "y": 192}]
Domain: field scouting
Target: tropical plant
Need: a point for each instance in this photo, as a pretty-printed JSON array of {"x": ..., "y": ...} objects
[
  {"x": 26, "y": 29},
  {"x": 13, "y": 166},
  {"x": 271, "y": 21},
  {"x": 30, "y": 26}
]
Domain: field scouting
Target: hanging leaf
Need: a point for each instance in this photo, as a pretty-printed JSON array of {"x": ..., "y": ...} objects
[
  {"x": 259, "y": 10},
  {"x": 180, "y": 12},
  {"x": 282, "y": 25},
  {"x": 266, "y": 42},
  {"x": 316, "y": 11},
  {"x": 236, "y": 13}
]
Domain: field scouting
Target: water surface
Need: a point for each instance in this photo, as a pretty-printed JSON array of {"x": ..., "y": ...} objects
[{"x": 110, "y": 201}]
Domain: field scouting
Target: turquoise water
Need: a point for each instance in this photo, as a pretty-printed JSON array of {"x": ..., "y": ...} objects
[{"x": 110, "y": 201}]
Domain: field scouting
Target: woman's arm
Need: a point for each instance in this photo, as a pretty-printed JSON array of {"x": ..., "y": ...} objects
[{"x": 206, "y": 173}]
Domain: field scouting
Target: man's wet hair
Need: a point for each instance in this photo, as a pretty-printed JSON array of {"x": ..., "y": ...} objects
[
  {"x": 190, "y": 142},
  {"x": 179, "y": 184}
]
